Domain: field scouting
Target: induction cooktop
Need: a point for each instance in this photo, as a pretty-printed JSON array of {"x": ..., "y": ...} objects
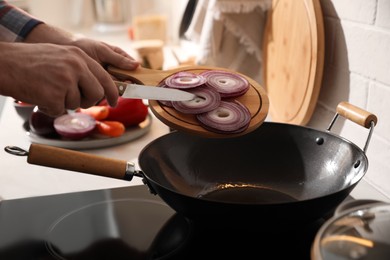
[{"x": 131, "y": 223}]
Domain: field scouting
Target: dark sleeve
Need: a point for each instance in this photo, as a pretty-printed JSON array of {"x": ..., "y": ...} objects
[{"x": 15, "y": 24}]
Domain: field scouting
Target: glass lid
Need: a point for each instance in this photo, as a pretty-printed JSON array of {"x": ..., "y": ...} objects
[{"x": 359, "y": 233}]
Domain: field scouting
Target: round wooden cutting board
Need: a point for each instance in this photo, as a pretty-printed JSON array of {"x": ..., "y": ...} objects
[
  {"x": 293, "y": 57},
  {"x": 255, "y": 99}
]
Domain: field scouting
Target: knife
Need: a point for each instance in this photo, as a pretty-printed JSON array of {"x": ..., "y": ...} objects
[{"x": 130, "y": 90}]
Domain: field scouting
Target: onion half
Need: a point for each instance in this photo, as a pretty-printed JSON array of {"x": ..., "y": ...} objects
[
  {"x": 226, "y": 83},
  {"x": 184, "y": 80},
  {"x": 75, "y": 125},
  {"x": 229, "y": 117},
  {"x": 207, "y": 99}
]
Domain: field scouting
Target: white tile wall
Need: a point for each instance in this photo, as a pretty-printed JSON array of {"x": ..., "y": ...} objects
[
  {"x": 361, "y": 11},
  {"x": 383, "y": 17},
  {"x": 357, "y": 69}
]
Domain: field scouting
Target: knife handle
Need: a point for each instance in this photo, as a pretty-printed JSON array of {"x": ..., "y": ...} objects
[{"x": 121, "y": 87}]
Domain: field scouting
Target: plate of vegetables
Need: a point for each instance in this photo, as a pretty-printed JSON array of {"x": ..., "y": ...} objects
[{"x": 95, "y": 127}]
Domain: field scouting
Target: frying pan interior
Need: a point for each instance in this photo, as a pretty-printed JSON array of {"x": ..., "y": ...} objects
[{"x": 277, "y": 163}]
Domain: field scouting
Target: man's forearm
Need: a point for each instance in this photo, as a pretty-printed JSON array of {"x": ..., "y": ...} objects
[{"x": 44, "y": 33}]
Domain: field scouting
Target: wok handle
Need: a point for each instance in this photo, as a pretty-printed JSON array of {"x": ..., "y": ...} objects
[
  {"x": 356, "y": 114},
  {"x": 66, "y": 159}
]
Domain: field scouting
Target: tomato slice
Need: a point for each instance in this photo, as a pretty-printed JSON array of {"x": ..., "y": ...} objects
[
  {"x": 110, "y": 128},
  {"x": 97, "y": 112}
]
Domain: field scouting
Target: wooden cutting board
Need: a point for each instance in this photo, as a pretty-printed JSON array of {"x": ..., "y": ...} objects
[
  {"x": 293, "y": 57},
  {"x": 255, "y": 99}
]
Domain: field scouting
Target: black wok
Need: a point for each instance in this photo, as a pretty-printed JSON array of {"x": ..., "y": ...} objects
[{"x": 279, "y": 173}]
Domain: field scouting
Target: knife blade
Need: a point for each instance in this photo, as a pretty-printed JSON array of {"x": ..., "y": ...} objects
[{"x": 130, "y": 90}]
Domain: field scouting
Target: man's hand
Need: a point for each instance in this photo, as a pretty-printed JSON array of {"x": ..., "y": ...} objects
[{"x": 57, "y": 77}]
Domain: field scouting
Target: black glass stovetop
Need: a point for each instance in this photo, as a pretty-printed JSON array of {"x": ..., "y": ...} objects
[{"x": 131, "y": 223}]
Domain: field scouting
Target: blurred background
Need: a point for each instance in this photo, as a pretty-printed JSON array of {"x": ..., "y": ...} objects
[{"x": 115, "y": 14}]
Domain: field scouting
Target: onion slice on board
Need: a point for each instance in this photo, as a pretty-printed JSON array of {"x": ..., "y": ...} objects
[
  {"x": 74, "y": 125},
  {"x": 207, "y": 99},
  {"x": 230, "y": 117},
  {"x": 167, "y": 103},
  {"x": 226, "y": 83},
  {"x": 184, "y": 80}
]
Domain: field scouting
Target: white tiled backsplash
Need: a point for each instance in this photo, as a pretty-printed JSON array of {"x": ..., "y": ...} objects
[{"x": 357, "y": 70}]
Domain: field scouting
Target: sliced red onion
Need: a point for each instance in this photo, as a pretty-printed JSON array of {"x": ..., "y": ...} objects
[
  {"x": 229, "y": 117},
  {"x": 167, "y": 103},
  {"x": 207, "y": 99},
  {"x": 184, "y": 80},
  {"x": 75, "y": 125},
  {"x": 226, "y": 83}
]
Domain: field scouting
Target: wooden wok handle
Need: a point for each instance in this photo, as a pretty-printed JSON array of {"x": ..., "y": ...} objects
[
  {"x": 66, "y": 159},
  {"x": 356, "y": 114}
]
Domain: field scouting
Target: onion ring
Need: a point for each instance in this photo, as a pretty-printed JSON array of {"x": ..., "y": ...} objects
[
  {"x": 207, "y": 99},
  {"x": 75, "y": 125},
  {"x": 229, "y": 117},
  {"x": 226, "y": 83},
  {"x": 166, "y": 103},
  {"x": 184, "y": 80}
]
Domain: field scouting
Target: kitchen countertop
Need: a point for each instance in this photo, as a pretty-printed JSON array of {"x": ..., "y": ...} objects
[{"x": 18, "y": 179}]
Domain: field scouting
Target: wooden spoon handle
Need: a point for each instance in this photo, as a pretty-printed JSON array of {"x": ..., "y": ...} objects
[
  {"x": 143, "y": 75},
  {"x": 66, "y": 159},
  {"x": 153, "y": 77},
  {"x": 140, "y": 75}
]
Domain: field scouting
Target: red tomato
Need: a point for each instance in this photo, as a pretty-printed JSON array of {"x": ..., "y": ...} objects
[{"x": 128, "y": 111}]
